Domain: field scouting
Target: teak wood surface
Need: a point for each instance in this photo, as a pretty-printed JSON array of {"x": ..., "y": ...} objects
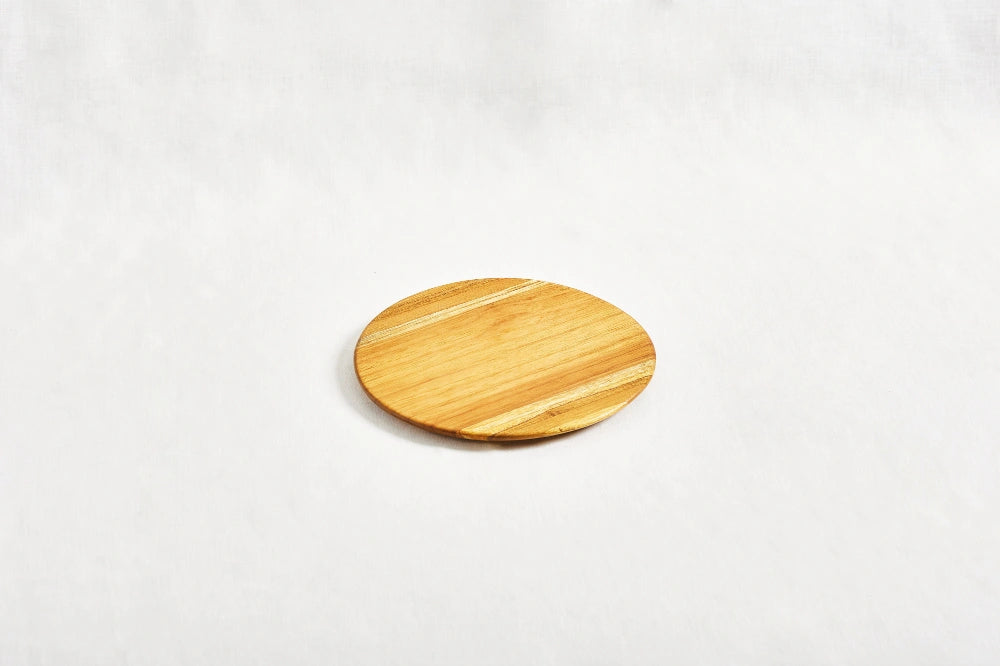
[{"x": 503, "y": 359}]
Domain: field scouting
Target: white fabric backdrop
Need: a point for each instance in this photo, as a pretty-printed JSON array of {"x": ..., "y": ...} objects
[{"x": 201, "y": 205}]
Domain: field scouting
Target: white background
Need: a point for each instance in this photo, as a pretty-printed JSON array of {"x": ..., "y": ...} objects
[{"x": 202, "y": 205}]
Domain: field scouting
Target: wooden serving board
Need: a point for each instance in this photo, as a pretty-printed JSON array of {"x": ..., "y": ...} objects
[{"x": 503, "y": 359}]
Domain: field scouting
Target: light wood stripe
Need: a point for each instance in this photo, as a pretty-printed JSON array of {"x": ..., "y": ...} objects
[
  {"x": 520, "y": 415},
  {"x": 590, "y": 417},
  {"x": 447, "y": 313}
]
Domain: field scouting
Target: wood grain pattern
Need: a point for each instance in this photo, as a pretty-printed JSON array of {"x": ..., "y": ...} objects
[{"x": 503, "y": 359}]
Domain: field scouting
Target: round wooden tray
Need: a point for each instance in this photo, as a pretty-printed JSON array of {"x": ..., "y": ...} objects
[{"x": 503, "y": 359}]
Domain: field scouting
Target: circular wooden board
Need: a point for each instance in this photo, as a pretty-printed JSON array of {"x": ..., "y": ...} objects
[{"x": 503, "y": 359}]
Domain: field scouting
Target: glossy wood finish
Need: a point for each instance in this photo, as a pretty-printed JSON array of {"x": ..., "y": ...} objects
[{"x": 503, "y": 359}]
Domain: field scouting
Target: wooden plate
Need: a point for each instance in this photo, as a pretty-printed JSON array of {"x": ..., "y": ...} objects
[{"x": 503, "y": 359}]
